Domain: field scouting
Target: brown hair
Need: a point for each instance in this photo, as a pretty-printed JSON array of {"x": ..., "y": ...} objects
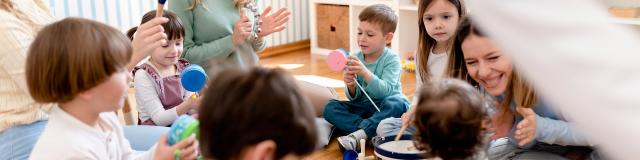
[
  {"x": 449, "y": 119},
  {"x": 73, "y": 55},
  {"x": 243, "y": 108},
  {"x": 518, "y": 92},
  {"x": 382, "y": 15},
  {"x": 173, "y": 28},
  {"x": 426, "y": 42}
]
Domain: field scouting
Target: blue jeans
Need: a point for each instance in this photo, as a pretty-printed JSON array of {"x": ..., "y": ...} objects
[
  {"x": 350, "y": 116},
  {"x": 391, "y": 127},
  {"x": 18, "y": 141}
]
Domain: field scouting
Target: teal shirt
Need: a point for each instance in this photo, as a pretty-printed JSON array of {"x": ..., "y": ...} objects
[
  {"x": 208, "y": 33},
  {"x": 385, "y": 80}
]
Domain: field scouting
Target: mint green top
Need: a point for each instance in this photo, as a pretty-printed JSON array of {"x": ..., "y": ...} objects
[
  {"x": 208, "y": 33},
  {"x": 385, "y": 80}
]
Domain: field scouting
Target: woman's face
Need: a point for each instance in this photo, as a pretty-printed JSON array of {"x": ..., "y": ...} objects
[{"x": 486, "y": 64}]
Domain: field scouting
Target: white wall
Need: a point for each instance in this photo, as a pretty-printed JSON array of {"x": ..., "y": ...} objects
[{"x": 124, "y": 14}]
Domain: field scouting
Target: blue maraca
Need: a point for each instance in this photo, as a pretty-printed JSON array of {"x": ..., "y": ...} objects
[{"x": 193, "y": 78}]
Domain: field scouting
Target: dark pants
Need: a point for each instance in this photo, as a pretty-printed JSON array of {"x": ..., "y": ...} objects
[{"x": 350, "y": 116}]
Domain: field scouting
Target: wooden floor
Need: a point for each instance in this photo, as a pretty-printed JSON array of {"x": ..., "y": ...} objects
[{"x": 301, "y": 62}]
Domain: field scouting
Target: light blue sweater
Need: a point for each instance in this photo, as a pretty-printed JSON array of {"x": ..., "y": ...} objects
[{"x": 385, "y": 80}]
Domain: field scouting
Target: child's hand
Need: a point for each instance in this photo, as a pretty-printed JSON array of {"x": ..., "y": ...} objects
[
  {"x": 241, "y": 30},
  {"x": 407, "y": 118},
  {"x": 185, "y": 150},
  {"x": 526, "y": 129},
  {"x": 193, "y": 101},
  {"x": 273, "y": 22},
  {"x": 349, "y": 79},
  {"x": 354, "y": 66}
]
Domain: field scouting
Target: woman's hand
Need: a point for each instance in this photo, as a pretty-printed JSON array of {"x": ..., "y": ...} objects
[
  {"x": 526, "y": 129},
  {"x": 274, "y": 22},
  {"x": 149, "y": 36},
  {"x": 241, "y": 30}
]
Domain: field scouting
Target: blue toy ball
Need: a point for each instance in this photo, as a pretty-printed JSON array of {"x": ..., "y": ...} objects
[
  {"x": 350, "y": 155},
  {"x": 193, "y": 78}
]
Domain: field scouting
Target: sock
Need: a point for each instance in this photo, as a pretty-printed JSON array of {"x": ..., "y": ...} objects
[{"x": 359, "y": 134}]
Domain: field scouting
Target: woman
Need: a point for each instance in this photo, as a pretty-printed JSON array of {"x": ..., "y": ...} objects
[
  {"x": 222, "y": 30},
  {"x": 22, "y": 120}
]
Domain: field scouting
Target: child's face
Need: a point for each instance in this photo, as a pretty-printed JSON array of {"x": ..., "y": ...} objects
[
  {"x": 371, "y": 39},
  {"x": 441, "y": 20},
  {"x": 169, "y": 54},
  {"x": 486, "y": 64},
  {"x": 110, "y": 94}
]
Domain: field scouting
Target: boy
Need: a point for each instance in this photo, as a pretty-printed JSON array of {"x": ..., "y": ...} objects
[{"x": 377, "y": 69}]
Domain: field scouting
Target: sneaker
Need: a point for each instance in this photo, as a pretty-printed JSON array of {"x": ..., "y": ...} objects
[{"x": 348, "y": 142}]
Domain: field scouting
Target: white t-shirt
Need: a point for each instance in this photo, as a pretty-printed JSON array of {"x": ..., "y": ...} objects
[
  {"x": 436, "y": 64},
  {"x": 66, "y": 137}
]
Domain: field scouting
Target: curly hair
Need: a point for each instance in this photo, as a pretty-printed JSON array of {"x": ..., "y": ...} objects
[{"x": 449, "y": 119}]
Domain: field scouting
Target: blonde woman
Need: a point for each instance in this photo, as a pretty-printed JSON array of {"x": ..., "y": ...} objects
[
  {"x": 22, "y": 120},
  {"x": 222, "y": 29}
]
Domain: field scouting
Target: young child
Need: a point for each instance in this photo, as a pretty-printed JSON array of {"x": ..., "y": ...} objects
[
  {"x": 81, "y": 65},
  {"x": 260, "y": 115},
  {"x": 160, "y": 96},
  {"x": 452, "y": 120},
  {"x": 377, "y": 69},
  {"x": 438, "y": 24}
]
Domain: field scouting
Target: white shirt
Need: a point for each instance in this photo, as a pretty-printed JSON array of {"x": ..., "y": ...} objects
[
  {"x": 578, "y": 59},
  {"x": 66, "y": 137},
  {"x": 436, "y": 64}
]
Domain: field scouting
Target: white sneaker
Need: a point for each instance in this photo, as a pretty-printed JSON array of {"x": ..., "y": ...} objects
[{"x": 348, "y": 142}]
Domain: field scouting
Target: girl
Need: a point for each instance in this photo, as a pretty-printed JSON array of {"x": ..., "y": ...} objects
[
  {"x": 262, "y": 115},
  {"x": 526, "y": 127},
  {"x": 160, "y": 96},
  {"x": 438, "y": 24},
  {"x": 222, "y": 29},
  {"x": 81, "y": 65}
]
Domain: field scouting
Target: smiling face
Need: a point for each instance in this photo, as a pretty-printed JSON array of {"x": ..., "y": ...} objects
[
  {"x": 371, "y": 39},
  {"x": 441, "y": 20},
  {"x": 486, "y": 64},
  {"x": 169, "y": 54}
]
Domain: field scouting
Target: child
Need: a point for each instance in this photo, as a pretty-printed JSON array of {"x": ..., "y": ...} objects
[
  {"x": 451, "y": 120},
  {"x": 260, "y": 115},
  {"x": 377, "y": 69},
  {"x": 81, "y": 65},
  {"x": 159, "y": 93},
  {"x": 438, "y": 24}
]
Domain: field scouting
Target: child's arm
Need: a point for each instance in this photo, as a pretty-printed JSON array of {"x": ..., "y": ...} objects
[
  {"x": 379, "y": 86},
  {"x": 148, "y": 101}
]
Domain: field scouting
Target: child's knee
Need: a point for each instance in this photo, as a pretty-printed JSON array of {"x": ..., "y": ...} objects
[
  {"x": 330, "y": 108},
  {"x": 396, "y": 103},
  {"x": 388, "y": 125}
]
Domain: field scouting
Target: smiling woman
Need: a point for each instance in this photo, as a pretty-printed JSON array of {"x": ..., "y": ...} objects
[{"x": 523, "y": 118}]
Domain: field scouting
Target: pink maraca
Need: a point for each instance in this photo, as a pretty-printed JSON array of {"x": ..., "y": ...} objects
[{"x": 337, "y": 59}]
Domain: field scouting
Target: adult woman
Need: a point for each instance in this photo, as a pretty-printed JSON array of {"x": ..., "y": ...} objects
[{"x": 222, "y": 29}]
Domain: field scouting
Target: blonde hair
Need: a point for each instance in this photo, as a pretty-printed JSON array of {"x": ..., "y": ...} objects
[
  {"x": 8, "y": 6},
  {"x": 74, "y": 55},
  {"x": 238, "y": 4}
]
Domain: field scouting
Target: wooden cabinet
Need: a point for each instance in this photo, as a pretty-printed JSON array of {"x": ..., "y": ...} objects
[{"x": 332, "y": 26}]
